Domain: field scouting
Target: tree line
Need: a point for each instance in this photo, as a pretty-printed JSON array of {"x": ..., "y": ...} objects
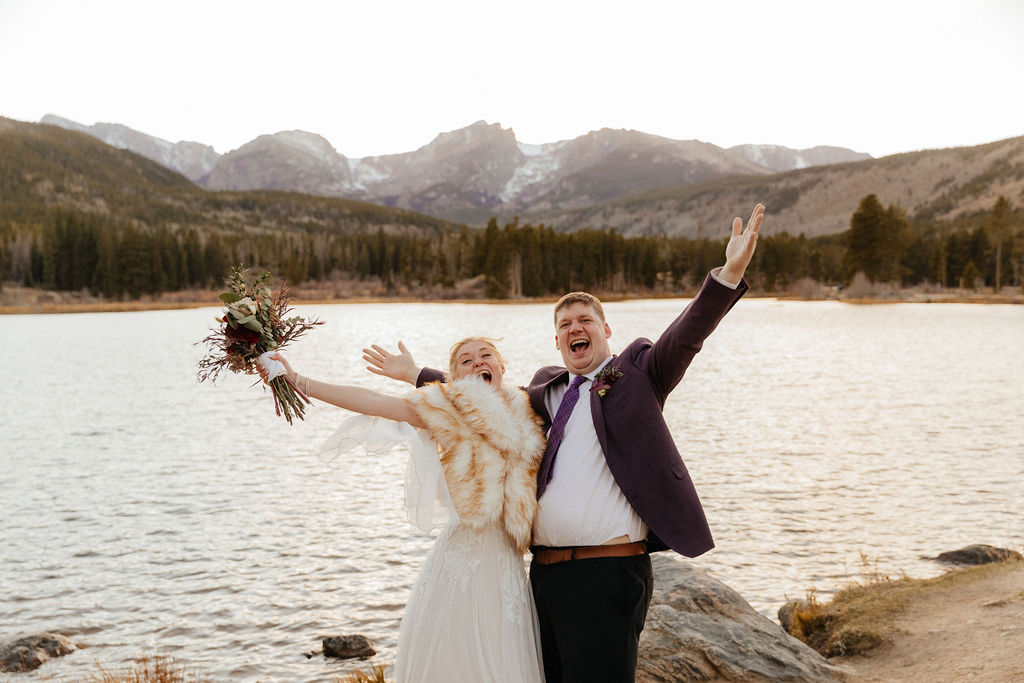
[
  {"x": 75, "y": 250},
  {"x": 982, "y": 250}
]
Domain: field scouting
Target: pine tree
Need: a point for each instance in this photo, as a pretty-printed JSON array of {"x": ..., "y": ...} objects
[
  {"x": 195, "y": 267},
  {"x": 105, "y": 278},
  {"x": 216, "y": 260},
  {"x": 970, "y": 276},
  {"x": 495, "y": 262},
  {"x": 135, "y": 262},
  {"x": 865, "y": 232},
  {"x": 999, "y": 229},
  {"x": 875, "y": 241}
]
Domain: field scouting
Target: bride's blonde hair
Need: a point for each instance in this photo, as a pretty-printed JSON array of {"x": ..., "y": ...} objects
[{"x": 453, "y": 354}]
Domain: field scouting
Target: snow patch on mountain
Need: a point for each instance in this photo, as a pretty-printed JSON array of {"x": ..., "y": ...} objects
[
  {"x": 533, "y": 150},
  {"x": 366, "y": 173},
  {"x": 779, "y": 158},
  {"x": 310, "y": 143},
  {"x": 541, "y": 163}
]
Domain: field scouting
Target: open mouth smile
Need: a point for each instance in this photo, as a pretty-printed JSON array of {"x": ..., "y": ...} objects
[
  {"x": 579, "y": 347},
  {"x": 485, "y": 375}
]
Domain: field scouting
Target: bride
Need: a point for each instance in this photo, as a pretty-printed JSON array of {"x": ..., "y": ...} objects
[{"x": 470, "y": 617}]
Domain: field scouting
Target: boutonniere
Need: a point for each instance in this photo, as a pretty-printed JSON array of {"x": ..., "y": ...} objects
[{"x": 604, "y": 380}]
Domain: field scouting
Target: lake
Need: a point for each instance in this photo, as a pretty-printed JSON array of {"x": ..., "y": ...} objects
[{"x": 145, "y": 513}]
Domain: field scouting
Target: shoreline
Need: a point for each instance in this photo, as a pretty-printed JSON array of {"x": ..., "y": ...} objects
[
  {"x": 967, "y": 623},
  {"x": 28, "y": 301}
]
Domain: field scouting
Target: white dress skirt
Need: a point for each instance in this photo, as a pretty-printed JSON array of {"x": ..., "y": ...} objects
[{"x": 470, "y": 617}]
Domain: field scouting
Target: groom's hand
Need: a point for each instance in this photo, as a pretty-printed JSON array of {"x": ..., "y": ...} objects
[
  {"x": 400, "y": 366},
  {"x": 741, "y": 246}
]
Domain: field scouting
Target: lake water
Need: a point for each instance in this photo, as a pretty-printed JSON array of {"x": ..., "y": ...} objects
[{"x": 144, "y": 513}]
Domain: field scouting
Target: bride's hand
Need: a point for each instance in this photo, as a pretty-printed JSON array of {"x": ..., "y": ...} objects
[
  {"x": 400, "y": 366},
  {"x": 287, "y": 368}
]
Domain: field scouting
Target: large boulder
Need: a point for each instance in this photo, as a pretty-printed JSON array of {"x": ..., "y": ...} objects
[
  {"x": 29, "y": 653},
  {"x": 699, "y": 629},
  {"x": 978, "y": 554}
]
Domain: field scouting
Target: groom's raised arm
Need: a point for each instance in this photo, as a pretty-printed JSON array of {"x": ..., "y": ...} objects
[
  {"x": 400, "y": 366},
  {"x": 668, "y": 359}
]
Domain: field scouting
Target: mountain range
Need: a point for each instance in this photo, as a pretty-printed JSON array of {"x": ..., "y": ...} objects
[
  {"x": 631, "y": 181},
  {"x": 469, "y": 174}
]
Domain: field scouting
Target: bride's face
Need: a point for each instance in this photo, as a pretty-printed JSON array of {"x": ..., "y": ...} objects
[{"x": 478, "y": 358}]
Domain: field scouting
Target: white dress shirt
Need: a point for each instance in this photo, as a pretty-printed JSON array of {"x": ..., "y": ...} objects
[{"x": 582, "y": 504}]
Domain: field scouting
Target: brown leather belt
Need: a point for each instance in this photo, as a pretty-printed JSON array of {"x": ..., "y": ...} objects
[{"x": 546, "y": 555}]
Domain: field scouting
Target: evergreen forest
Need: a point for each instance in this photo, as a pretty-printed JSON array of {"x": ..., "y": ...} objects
[
  {"x": 119, "y": 259},
  {"x": 77, "y": 215}
]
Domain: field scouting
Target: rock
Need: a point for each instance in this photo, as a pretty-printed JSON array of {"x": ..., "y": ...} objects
[
  {"x": 29, "y": 653},
  {"x": 785, "y": 613},
  {"x": 346, "y": 647},
  {"x": 978, "y": 554},
  {"x": 699, "y": 629}
]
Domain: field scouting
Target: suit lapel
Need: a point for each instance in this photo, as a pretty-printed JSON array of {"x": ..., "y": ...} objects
[
  {"x": 539, "y": 393},
  {"x": 597, "y": 412}
]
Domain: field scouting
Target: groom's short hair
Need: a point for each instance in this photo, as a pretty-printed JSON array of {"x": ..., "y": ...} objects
[{"x": 580, "y": 298}]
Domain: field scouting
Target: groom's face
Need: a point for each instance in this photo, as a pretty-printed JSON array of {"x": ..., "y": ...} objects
[{"x": 582, "y": 337}]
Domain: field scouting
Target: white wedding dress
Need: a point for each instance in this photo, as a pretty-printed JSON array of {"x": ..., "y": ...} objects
[{"x": 470, "y": 617}]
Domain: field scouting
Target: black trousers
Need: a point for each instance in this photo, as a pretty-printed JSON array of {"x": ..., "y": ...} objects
[{"x": 591, "y": 614}]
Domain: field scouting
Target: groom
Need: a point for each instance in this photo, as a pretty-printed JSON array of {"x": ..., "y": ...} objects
[{"x": 612, "y": 486}]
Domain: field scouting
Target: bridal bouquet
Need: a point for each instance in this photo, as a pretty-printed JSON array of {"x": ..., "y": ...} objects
[{"x": 253, "y": 327}]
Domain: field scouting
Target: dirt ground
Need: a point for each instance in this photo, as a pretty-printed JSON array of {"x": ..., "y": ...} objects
[{"x": 972, "y": 631}]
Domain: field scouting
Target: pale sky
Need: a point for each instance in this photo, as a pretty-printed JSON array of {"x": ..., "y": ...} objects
[{"x": 380, "y": 76}]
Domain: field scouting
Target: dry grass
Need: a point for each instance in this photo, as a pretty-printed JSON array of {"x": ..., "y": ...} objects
[
  {"x": 166, "y": 670},
  {"x": 155, "y": 670},
  {"x": 864, "y": 615},
  {"x": 376, "y": 675}
]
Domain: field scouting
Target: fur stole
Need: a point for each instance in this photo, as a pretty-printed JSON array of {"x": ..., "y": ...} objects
[{"x": 491, "y": 443}]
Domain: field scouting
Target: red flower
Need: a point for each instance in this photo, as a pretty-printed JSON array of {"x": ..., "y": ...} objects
[{"x": 243, "y": 334}]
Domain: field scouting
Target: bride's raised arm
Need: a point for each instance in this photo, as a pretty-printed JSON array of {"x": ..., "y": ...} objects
[{"x": 356, "y": 399}]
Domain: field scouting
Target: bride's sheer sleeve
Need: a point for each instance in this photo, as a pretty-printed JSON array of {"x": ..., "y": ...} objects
[{"x": 427, "y": 503}]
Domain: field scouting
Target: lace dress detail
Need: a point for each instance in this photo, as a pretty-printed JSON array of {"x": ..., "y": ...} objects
[
  {"x": 460, "y": 562},
  {"x": 515, "y": 589}
]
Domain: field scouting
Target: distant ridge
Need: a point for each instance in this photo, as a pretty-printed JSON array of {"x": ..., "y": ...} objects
[
  {"x": 468, "y": 174},
  {"x": 943, "y": 184},
  {"x": 45, "y": 168},
  {"x": 191, "y": 159},
  {"x": 638, "y": 184}
]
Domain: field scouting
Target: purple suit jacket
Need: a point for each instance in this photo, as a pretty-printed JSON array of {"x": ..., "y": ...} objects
[{"x": 637, "y": 444}]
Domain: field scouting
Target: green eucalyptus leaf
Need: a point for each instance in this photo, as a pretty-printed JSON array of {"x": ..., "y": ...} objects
[
  {"x": 252, "y": 323},
  {"x": 229, "y": 297}
]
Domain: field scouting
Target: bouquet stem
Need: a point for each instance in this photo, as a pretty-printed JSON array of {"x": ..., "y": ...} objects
[
  {"x": 298, "y": 391},
  {"x": 288, "y": 399}
]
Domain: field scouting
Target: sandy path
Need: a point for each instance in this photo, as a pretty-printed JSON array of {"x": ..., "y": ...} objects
[{"x": 973, "y": 631}]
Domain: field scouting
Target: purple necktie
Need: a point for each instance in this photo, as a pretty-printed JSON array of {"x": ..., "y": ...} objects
[{"x": 547, "y": 464}]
